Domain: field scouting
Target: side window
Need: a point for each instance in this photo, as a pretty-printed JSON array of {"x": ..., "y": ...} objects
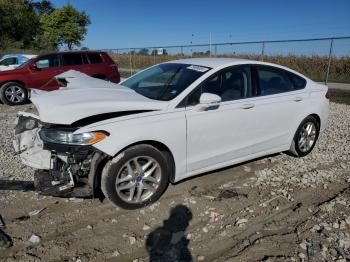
[
  {"x": 95, "y": 58},
  {"x": 72, "y": 59},
  {"x": 230, "y": 84},
  {"x": 9, "y": 61},
  {"x": 273, "y": 81},
  {"x": 85, "y": 59},
  {"x": 235, "y": 84},
  {"x": 48, "y": 61},
  {"x": 297, "y": 81}
]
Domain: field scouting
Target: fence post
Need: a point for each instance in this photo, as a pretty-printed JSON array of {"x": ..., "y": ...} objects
[
  {"x": 329, "y": 61},
  {"x": 215, "y": 50},
  {"x": 130, "y": 59},
  {"x": 262, "y": 51}
]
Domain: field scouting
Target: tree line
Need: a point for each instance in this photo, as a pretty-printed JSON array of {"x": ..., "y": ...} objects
[{"x": 38, "y": 25}]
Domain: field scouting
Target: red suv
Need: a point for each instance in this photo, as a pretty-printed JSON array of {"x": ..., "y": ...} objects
[{"x": 39, "y": 72}]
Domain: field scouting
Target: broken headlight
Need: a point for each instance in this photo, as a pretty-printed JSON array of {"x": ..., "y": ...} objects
[{"x": 68, "y": 137}]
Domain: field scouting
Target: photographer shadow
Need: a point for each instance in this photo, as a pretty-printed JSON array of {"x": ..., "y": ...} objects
[{"x": 168, "y": 242}]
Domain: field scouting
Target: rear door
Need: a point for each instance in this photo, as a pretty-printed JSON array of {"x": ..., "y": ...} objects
[
  {"x": 75, "y": 61},
  {"x": 278, "y": 105},
  {"x": 97, "y": 66},
  {"x": 42, "y": 77}
]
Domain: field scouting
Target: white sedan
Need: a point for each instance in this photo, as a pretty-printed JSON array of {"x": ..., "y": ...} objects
[{"x": 167, "y": 123}]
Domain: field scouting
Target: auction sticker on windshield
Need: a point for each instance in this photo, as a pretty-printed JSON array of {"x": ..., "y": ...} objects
[{"x": 198, "y": 68}]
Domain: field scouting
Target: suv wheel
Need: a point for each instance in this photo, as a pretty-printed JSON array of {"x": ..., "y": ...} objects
[
  {"x": 305, "y": 137},
  {"x": 13, "y": 93},
  {"x": 136, "y": 177}
]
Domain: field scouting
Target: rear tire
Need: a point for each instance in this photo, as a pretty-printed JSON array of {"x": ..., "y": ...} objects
[
  {"x": 13, "y": 93},
  {"x": 136, "y": 177},
  {"x": 305, "y": 137}
]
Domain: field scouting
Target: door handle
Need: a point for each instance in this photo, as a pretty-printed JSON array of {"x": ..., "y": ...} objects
[
  {"x": 298, "y": 99},
  {"x": 247, "y": 106}
]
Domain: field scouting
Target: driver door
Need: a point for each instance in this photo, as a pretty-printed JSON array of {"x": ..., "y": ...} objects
[
  {"x": 219, "y": 135},
  {"x": 41, "y": 77}
]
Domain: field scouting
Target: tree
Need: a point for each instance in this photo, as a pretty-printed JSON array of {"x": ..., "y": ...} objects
[
  {"x": 43, "y": 7},
  {"x": 18, "y": 24},
  {"x": 64, "y": 26}
]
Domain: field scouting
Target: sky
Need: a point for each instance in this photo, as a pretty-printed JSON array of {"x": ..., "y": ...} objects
[{"x": 131, "y": 23}]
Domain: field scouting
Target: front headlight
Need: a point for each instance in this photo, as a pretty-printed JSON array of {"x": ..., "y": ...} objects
[{"x": 67, "y": 137}]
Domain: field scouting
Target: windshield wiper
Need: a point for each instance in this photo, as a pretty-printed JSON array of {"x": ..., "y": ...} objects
[{"x": 167, "y": 85}]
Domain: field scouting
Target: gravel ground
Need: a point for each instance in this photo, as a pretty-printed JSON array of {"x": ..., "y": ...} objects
[{"x": 278, "y": 208}]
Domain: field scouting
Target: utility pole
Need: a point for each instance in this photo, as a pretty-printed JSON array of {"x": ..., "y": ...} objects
[
  {"x": 210, "y": 44},
  {"x": 329, "y": 61},
  {"x": 192, "y": 44}
]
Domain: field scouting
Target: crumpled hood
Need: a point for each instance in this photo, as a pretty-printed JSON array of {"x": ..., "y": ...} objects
[{"x": 67, "y": 106}]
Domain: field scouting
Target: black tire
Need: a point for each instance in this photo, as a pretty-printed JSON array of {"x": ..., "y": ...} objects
[
  {"x": 295, "y": 149},
  {"x": 114, "y": 166},
  {"x": 19, "y": 99}
]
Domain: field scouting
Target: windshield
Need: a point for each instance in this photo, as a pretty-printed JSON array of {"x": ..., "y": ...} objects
[{"x": 165, "y": 81}]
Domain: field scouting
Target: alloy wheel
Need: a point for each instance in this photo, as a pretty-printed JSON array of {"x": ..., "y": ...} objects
[
  {"x": 14, "y": 94},
  {"x": 307, "y": 136},
  {"x": 138, "y": 179}
]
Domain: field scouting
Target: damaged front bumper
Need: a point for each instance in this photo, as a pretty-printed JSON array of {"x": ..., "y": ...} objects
[{"x": 62, "y": 170}]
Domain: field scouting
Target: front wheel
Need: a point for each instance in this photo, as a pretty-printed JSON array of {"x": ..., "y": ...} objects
[
  {"x": 305, "y": 137},
  {"x": 136, "y": 177},
  {"x": 13, "y": 93}
]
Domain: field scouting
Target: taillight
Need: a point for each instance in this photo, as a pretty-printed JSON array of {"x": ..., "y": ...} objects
[{"x": 328, "y": 94}]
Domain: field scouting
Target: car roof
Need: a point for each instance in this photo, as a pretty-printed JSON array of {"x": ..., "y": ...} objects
[
  {"x": 71, "y": 52},
  {"x": 222, "y": 62},
  {"x": 210, "y": 62}
]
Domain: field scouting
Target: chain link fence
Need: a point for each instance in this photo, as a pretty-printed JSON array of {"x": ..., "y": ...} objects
[{"x": 321, "y": 59}]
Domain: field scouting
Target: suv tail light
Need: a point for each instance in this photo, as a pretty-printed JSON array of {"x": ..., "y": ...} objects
[{"x": 328, "y": 94}]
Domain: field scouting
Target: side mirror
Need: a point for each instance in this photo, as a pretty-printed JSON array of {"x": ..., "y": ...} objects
[
  {"x": 33, "y": 67},
  {"x": 209, "y": 100}
]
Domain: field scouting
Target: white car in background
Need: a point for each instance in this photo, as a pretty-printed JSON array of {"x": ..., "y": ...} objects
[
  {"x": 167, "y": 123},
  {"x": 10, "y": 62}
]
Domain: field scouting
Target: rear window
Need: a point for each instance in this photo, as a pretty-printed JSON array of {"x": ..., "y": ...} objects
[
  {"x": 273, "y": 80},
  {"x": 72, "y": 59},
  {"x": 297, "y": 81},
  {"x": 94, "y": 58}
]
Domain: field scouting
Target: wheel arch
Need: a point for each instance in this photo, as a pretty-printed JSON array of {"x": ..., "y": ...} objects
[
  {"x": 161, "y": 147},
  {"x": 17, "y": 81},
  {"x": 95, "y": 178},
  {"x": 317, "y": 117}
]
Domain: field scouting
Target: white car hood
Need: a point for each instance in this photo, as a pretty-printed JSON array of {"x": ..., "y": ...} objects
[{"x": 67, "y": 106}]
